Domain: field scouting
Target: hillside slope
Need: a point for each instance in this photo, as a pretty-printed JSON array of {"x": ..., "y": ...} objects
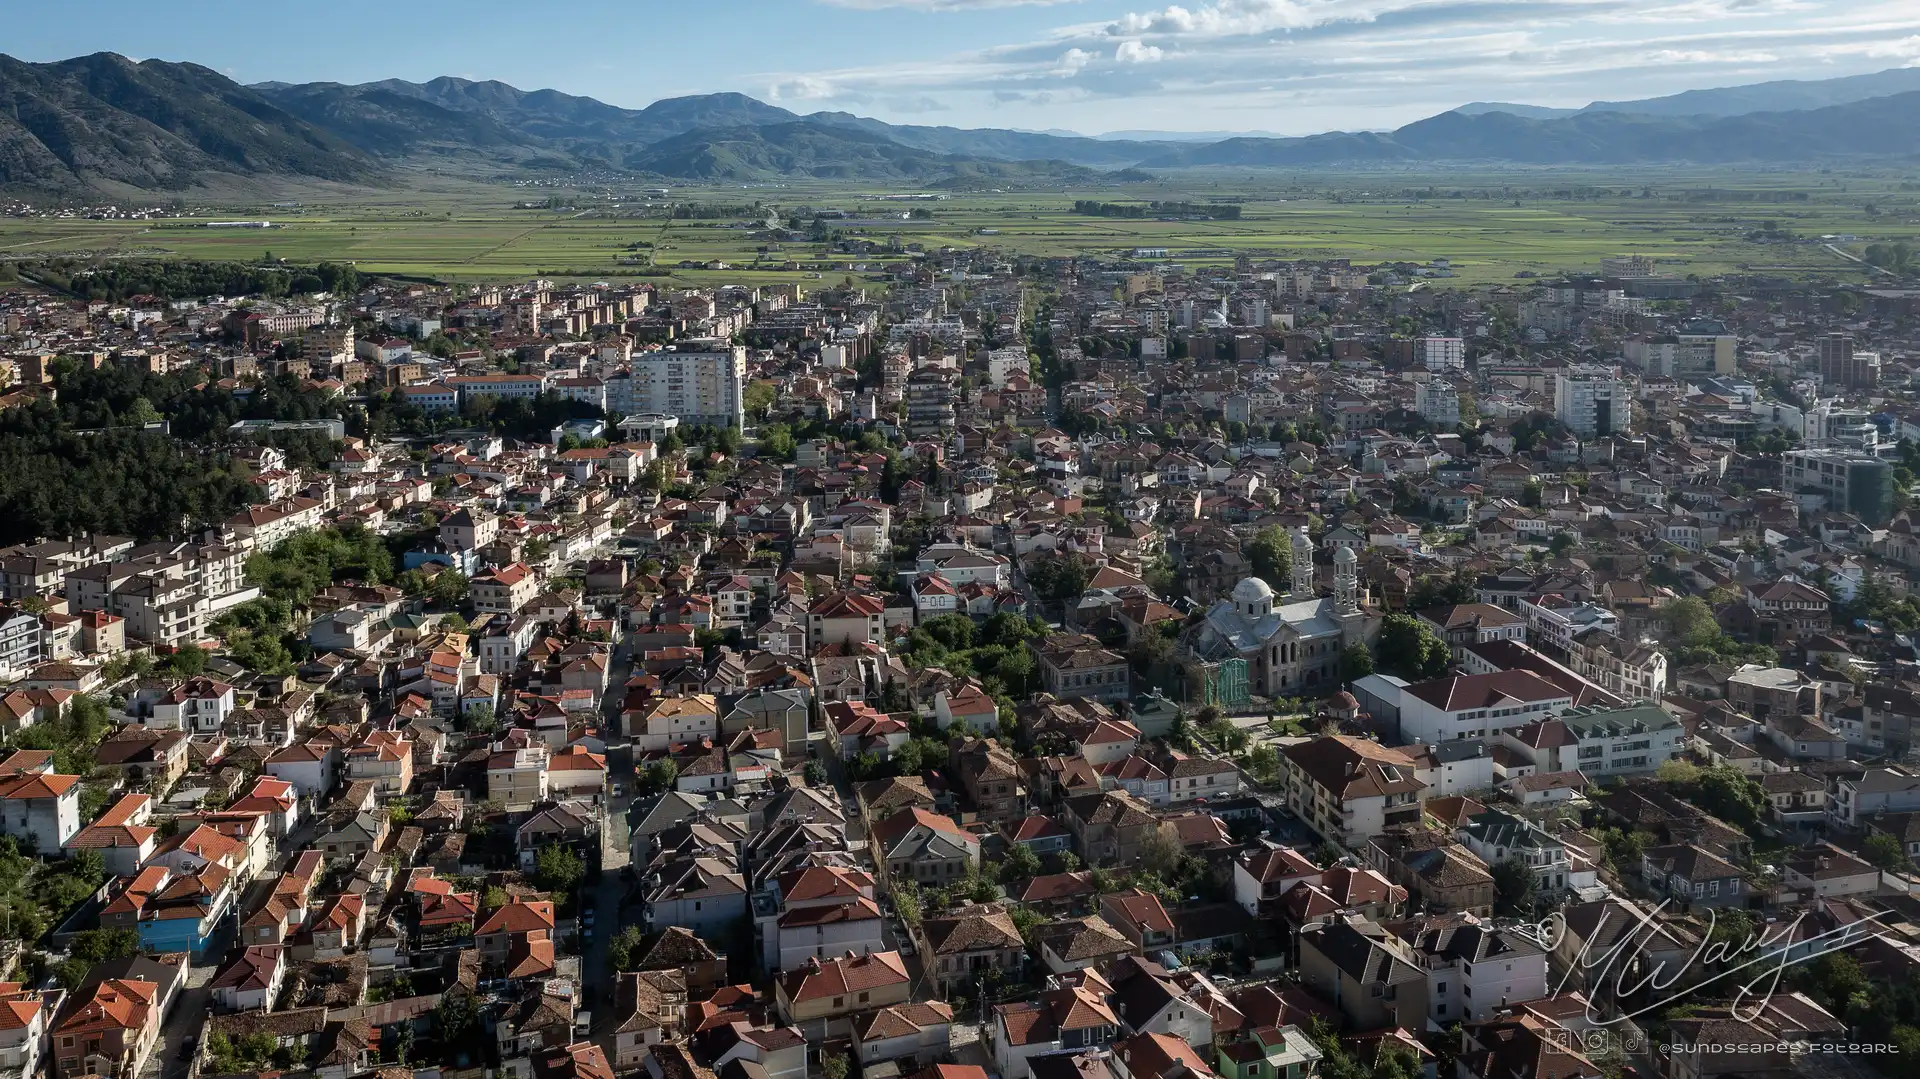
[{"x": 154, "y": 124}]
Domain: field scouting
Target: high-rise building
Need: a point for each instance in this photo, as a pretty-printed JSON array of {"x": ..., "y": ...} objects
[
  {"x": 1444, "y": 353},
  {"x": 1853, "y": 481},
  {"x": 1437, "y": 401},
  {"x": 896, "y": 367},
  {"x": 930, "y": 393},
  {"x": 1843, "y": 368},
  {"x": 703, "y": 382},
  {"x": 1592, "y": 401}
]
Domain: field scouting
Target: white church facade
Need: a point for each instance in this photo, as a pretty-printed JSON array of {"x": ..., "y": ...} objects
[{"x": 1291, "y": 648}]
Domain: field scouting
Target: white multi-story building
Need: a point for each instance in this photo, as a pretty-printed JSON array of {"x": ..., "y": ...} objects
[
  {"x": 1599, "y": 741},
  {"x": 1437, "y": 401},
  {"x": 1477, "y": 705},
  {"x": 19, "y": 643},
  {"x": 1683, "y": 355},
  {"x": 1443, "y": 353},
  {"x": 703, "y": 382},
  {"x": 1003, "y": 362},
  {"x": 1592, "y": 401},
  {"x": 1475, "y": 968},
  {"x": 1553, "y": 623},
  {"x": 498, "y": 384}
]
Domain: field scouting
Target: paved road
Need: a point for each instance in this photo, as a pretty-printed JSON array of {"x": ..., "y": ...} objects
[
  {"x": 183, "y": 1021},
  {"x": 604, "y": 895}
]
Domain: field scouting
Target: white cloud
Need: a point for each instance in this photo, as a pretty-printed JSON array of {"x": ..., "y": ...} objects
[
  {"x": 1072, "y": 61},
  {"x": 802, "y": 88},
  {"x": 1907, "y": 48},
  {"x": 1300, "y": 66}
]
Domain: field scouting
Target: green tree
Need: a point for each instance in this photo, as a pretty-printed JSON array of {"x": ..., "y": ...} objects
[
  {"x": 1355, "y": 662},
  {"x": 558, "y": 869},
  {"x": 1512, "y": 887},
  {"x": 1411, "y": 649},
  {"x": 1021, "y": 863},
  {"x": 99, "y": 945},
  {"x": 662, "y": 774},
  {"x": 1270, "y": 554},
  {"x": 1161, "y": 851},
  {"x": 624, "y": 952},
  {"x": 1058, "y": 577},
  {"x": 1886, "y": 852},
  {"x": 1730, "y": 794},
  {"x": 187, "y": 661},
  {"x": 481, "y": 720}
]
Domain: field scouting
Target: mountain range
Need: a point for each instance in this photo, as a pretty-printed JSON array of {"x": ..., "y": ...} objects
[{"x": 106, "y": 123}]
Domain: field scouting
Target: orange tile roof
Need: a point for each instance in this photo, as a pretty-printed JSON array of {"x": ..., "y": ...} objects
[{"x": 114, "y": 1004}]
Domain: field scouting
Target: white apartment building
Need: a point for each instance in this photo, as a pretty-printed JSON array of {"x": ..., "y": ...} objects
[
  {"x": 1437, "y": 401},
  {"x": 1683, "y": 355},
  {"x": 1495, "y": 837},
  {"x": 1852, "y": 799},
  {"x": 698, "y": 385},
  {"x": 500, "y": 650},
  {"x": 1475, "y": 968},
  {"x": 1599, "y": 741},
  {"x": 498, "y": 384},
  {"x": 1554, "y": 625},
  {"x": 1593, "y": 402},
  {"x": 1443, "y": 353},
  {"x": 1003, "y": 362},
  {"x": 19, "y": 643},
  {"x": 1477, "y": 705}
]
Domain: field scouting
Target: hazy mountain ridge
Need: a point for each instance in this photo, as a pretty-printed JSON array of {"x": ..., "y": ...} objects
[
  {"x": 103, "y": 120},
  {"x": 1874, "y": 127}
]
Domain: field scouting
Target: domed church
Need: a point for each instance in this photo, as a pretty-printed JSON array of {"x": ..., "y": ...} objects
[{"x": 1290, "y": 648}]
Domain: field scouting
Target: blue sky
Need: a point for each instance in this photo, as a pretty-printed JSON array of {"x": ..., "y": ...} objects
[{"x": 1288, "y": 66}]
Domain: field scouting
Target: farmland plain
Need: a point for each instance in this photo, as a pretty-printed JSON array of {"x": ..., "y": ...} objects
[{"x": 1490, "y": 226}]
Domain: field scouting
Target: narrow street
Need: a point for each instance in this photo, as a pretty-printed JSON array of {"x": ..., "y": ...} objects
[{"x": 603, "y": 895}]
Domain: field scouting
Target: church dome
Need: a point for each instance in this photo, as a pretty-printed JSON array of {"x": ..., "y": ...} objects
[
  {"x": 1343, "y": 699},
  {"x": 1252, "y": 590},
  {"x": 1345, "y": 554}
]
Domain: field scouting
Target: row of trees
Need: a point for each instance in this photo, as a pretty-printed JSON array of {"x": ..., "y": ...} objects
[{"x": 171, "y": 279}]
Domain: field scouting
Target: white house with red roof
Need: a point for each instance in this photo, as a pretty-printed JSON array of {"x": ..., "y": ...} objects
[
  {"x": 821, "y": 912},
  {"x": 24, "y": 1018},
  {"x": 1108, "y": 740},
  {"x": 275, "y": 799},
  {"x": 968, "y": 707},
  {"x": 121, "y": 835},
  {"x": 503, "y": 590},
  {"x": 40, "y": 809},
  {"x": 846, "y": 618}
]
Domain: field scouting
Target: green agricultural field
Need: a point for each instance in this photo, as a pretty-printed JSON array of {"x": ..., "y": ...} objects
[{"x": 1490, "y": 226}]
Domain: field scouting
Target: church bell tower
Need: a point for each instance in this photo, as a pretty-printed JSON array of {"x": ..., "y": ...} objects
[{"x": 1302, "y": 565}]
